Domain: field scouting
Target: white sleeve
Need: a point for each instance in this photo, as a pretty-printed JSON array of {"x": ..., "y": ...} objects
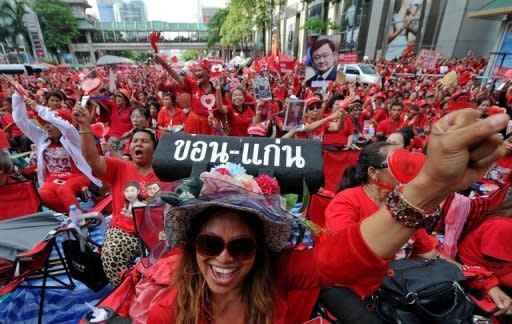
[{"x": 20, "y": 117}]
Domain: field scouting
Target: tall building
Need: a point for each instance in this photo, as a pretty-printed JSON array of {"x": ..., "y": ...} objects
[
  {"x": 106, "y": 9},
  {"x": 130, "y": 11}
]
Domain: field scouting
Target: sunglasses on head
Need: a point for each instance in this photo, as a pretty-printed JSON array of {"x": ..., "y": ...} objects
[{"x": 210, "y": 246}]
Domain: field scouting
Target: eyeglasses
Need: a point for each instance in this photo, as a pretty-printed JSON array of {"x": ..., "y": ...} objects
[
  {"x": 210, "y": 246},
  {"x": 314, "y": 107},
  {"x": 383, "y": 165}
]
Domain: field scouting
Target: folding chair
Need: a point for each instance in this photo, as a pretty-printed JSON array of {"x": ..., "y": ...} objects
[
  {"x": 18, "y": 199},
  {"x": 149, "y": 226},
  {"x": 36, "y": 263}
]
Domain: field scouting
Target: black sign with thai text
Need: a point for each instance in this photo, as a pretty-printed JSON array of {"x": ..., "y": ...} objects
[{"x": 290, "y": 160}]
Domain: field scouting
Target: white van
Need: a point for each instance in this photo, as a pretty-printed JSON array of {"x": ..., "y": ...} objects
[{"x": 361, "y": 72}]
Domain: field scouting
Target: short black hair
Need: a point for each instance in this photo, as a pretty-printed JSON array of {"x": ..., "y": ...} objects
[
  {"x": 144, "y": 112},
  {"x": 149, "y": 131},
  {"x": 58, "y": 94},
  {"x": 321, "y": 42},
  {"x": 396, "y": 103},
  {"x": 170, "y": 94}
]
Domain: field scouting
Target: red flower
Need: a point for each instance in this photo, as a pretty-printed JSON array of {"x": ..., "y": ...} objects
[
  {"x": 268, "y": 185},
  {"x": 223, "y": 171}
]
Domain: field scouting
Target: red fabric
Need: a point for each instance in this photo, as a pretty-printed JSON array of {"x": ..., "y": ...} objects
[
  {"x": 351, "y": 206},
  {"x": 18, "y": 199},
  {"x": 166, "y": 120},
  {"x": 196, "y": 92},
  {"x": 197, "y": 124},
  {"x": 335, "y": 164},
  {"x": 120, "y": 121},
  {"x": 119, "y": 173},
  {"x": 239, "y": 122},
  {"x": 4, "y": 141},
  {"x": 316, "y": 211},
  {"x": 59, "y": 196},
  {"x": 13, "y": 129},
  {"x": 380, "y": 115},
  {"x": 339, "y": 138},
  {"x": 489, "y": 246},
  {"x": 388, "y": 126},
  {"x": 303, "y": 272}
]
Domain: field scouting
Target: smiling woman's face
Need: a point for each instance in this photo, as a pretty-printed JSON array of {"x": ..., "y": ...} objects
[{"x": 225, "y": 274}]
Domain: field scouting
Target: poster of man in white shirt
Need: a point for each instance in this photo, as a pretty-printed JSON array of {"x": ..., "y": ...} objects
[{"x": 322, "y": 60}]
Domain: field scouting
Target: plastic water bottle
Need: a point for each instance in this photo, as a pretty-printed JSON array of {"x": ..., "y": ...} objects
[{"x": 76, "y": 216}]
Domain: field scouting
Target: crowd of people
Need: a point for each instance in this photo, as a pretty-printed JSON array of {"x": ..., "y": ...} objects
[{"x": 226, "y": 268}]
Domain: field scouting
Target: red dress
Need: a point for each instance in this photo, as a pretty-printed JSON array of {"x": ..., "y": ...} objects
[
  {"x": 200, "y": 104},
  {"x": 301, "y": 273}
]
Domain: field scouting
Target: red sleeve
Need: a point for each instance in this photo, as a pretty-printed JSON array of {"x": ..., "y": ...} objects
[
  {"x": 113, "y": 167},
  {"x": 348, "y": 126},
  {"x": 189, "y": 84},
  {"x": 340, "y": 258},
  {"x": 341, "y": 212},
  {"x": 162, "y": 120},
  {"x": 381, "y": 128},
  {"x": 424, "y": 242}
]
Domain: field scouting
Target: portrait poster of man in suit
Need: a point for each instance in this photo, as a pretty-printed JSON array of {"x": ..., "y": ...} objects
[
  {"x": 322, "y": 60},
  {"x": 293, "y": 119}
]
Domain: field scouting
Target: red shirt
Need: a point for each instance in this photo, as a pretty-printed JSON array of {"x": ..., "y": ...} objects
[
  {"x": 300, "y": 275},
  {"x": 489, "y": 246},
  {"x": 353, "y": 205},
  {"x": 58, "y": 163},
  {"x": 388, "y": 126},
  {"x": 239, "y": 122},
  {"x": 165, "y": 119},
  {"x": 13, "y": 129},
  {"x": 120, "y": 121},
  {"x": 199, "y": 99},
  {"x": 339, "y": 138},
  {"x": 119, "y": 174}
]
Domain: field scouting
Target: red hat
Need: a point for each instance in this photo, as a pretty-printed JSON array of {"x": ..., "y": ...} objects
[
  {"x": 380, "y": 95},
  {"x": 312, "y": 100},
  {"x": 257, "y": 130},
  {"x": 205, "y": 65},
  {"x": 421, "y": 103},
  {"x": 125, "y": 93}
]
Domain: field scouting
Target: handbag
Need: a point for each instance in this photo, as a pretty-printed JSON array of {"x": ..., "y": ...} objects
[
  {"x": 85, "y": 265},
  {"x": 423, "y": 291}
]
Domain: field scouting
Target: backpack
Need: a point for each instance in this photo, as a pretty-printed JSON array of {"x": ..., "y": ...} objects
[{"x": 423, "y": 291}]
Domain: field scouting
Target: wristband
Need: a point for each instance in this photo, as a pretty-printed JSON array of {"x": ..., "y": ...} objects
[{"x": 81, "y": 132}]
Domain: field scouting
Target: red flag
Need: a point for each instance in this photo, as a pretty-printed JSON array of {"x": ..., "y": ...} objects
[
  {"x": 271, "y": 64},
  {"x": 174, "y": 59},
  {"x": 256, "y": 66}
]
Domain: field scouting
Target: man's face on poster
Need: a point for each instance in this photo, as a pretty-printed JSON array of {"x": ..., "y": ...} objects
[{"x": 324, "y": 58}]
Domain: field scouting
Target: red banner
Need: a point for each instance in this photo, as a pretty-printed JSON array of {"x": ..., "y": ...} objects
[{"x": 348, "y": 58}]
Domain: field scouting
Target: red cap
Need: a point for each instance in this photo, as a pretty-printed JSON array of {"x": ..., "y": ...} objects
[
  {"x": 205, "y": 65},
  {"x": 421, "y": 103},
  {"x": 125, "y": 93},
  {"x": 380, "y": 95},
  {"x": 313, "y": 100}
]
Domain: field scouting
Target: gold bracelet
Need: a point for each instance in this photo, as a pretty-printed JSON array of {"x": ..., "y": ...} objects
[{"x": 81, "y": 132}]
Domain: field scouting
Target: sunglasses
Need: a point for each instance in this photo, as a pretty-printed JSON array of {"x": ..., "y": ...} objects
[
  {"x": 210, "y": 246},
  {"x": 314, "y": 107},
  {"x": 383, "y": 165}
]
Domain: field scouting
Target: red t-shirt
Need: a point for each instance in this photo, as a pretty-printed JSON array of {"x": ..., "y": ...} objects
[
  {"x": 58, "y": 163},
  {"x": 200, "y": 101},
  {"x": 489, "y": 246},
  {"x": 388, "y": 126},
  {"x": 13, "y": 129},
  {"x": 120, "y": 121},
  {"x": 165, "y": 119},
  {"x": 339, "y": 138},
  {"x": 353, "y": 205},
  {"x": 119, "y": 174},
  {"x": 316, "y": 134},
  {"x": 380, "y": 115},
  {"x": 239, "y": 122}
]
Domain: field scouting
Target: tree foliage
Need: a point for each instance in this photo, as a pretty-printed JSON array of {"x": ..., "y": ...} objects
[
  {"x": 215, "y": 24},
  {"x": 191, "y": 54},
  {"x": 239, "y": 22},
  {"x": 12, "y": 22},
  {"x": 58, "y": 24}
]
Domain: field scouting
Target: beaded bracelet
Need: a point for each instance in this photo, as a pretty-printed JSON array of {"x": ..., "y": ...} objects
[{"x": 408, "y": 214}]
